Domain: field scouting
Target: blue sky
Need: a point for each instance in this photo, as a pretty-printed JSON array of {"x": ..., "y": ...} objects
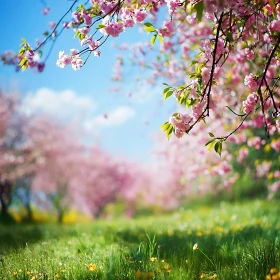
[{"x": 84, "y": 96}]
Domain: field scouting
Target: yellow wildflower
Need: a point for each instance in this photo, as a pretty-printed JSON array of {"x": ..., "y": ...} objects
[
  {"x": 15, "y": 273},
  {"x": 28, "y": 272},
  {"x": 56, "y": 276},
  {"x": 202, "y": 275},
  {"x": 153, "y": 259},
  {"x": 92, "y": 267},
  {"x": 62, "y": 270},
  {"x": 20, "y": 270},
  {"x": 167, "y": 267}
]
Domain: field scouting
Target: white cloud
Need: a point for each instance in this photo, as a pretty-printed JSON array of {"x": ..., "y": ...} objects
[
  {"x": 115, "y": 117},
  {"x": 68, "y": 106},
  {"x": 62, "y": 105}
]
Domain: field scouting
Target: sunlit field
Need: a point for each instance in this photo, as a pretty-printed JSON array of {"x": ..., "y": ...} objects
[{"x": 223, "y": 241}]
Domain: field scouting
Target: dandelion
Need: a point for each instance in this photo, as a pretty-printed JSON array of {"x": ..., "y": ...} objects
[
  {"x": 15, "y": 273},
  {"x": 273, "y": 274},
  {"x": 63, "y": 270},
  {"x": 202, "y": 275},
  {"x": 195, "y": 246},
  {"x": 153, "y": 259},
  {"x": 92, "y": 267},
  {"x": 20, "y": 271},
  {"x": 56, "y": 276},
  {"x": 28, "y": 272},
  {"x": 167, "y": 267}
]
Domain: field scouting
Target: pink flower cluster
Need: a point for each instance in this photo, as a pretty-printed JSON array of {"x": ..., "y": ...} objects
[
  {"x": 250, "y": 102},
  {"x": 74, "y": 59},
  {"x": 93, "y": 45},
  {"x": 275, "y": 145},
  {"x": 251, "y": 82},
  {"x": 112, "y": 28},
  {"x": 278, "y": 125},
  {"x": 167, "y": 30},
  {"x": 243, "y": 153},
  {"x": 172, "y": 5},
  {"x": 33, "y": 60},
  {"x": 255, "y": 142},
  {"x": 275, "y": 26},
  {"x": 181, "y": 123},
  {"x": 82, "y": 16},
  {"x": 45, "y": 11}
]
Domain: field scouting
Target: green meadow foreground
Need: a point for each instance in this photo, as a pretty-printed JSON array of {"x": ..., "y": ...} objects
[{"x": 240, "y": 241}]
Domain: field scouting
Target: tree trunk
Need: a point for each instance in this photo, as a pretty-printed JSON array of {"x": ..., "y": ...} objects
[
  {"x": 5, "y": 200},
  {"x": 60, "y": 216},
  {"x": 29, "y": 217},
  {"x": 4, "y": 207}
]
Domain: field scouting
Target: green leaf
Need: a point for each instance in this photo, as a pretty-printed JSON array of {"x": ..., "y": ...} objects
[
  {"x": 166, "y": 89},
  {"x": 165, "y": 84},
  {"x": 80, "y": 7},
  {"x": 153, "y": 39},
  {"x": 192, "y": 75},
  {"x": 209, "y": 142},
  {"x": 77, "y": 34},
  {"x": 199, "y": 10},
  {"x": 211, "y": 134},
  {"x": 190, "y": 102},
  {"x": 82, "y": 36},
  {"x": 218, "y": 147},
  {"x": 182, "y": 99},
  {"x": 148, "y": 24},
  {"x": 169, "y": 132},
  {"x": 167, "y": 94},
  {"x": 101, "y": 26},
  {"x": 23, "y": 61},
  {"x": 165, "y": 126},
  {"x": 149, "y": 29},
  {"x": 22, "y": 50},
  {"x": 193, "y": 63},
  {"x": 229, "y": 37}
]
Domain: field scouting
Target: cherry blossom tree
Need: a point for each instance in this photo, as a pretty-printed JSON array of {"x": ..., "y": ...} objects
[
  {"x": 57, "y": 150},
  {"x": 215, "y": 43},
  {"x": 13, "y": 152}
]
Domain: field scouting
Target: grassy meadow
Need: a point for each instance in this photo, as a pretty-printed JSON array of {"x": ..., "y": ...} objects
[{"x": 233, "y": 241}]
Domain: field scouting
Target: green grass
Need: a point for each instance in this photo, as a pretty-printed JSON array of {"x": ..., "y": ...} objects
[{"x": 242, "y": 241}]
